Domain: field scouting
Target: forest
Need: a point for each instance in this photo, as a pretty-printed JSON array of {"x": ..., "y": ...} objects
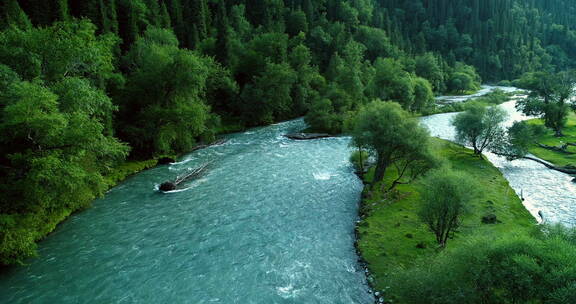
[{"x": 86, "y": 85}]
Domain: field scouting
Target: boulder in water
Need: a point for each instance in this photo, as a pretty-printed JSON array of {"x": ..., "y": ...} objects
[
  {"x": 166, "y": 161},
  {"x": 168, "y": 186}
]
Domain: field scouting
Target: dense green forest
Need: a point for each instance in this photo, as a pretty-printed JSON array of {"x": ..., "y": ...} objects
[{"x": 86, "y": 84}]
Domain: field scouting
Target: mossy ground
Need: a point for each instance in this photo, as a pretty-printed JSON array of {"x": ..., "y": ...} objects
[
  {"x": 391, "y": 231},
  {"x": 557, "y": 158}
]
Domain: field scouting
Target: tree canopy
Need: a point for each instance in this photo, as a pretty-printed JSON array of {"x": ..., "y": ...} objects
[
  {"x": 446, "y": 196},
  {"x": 480, "y": 127},
  {"x": 551, "y": 97},
  {"x": 396, "y": 139}
]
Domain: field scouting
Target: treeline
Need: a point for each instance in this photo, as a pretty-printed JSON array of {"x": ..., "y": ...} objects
[
  {"x": 85, "y": 84},
  {"x": 501, "y": 38},
  {"x": 273, "y": 59}
]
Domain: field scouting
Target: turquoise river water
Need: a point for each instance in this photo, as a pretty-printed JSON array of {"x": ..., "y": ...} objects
[{"x": 271, "y": 222}]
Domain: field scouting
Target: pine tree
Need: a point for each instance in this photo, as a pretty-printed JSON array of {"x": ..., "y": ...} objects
[
  {"x": 13, "y": 16},
  {"x": 164, "y": 17},
  {"x": 222, "y": 41}
]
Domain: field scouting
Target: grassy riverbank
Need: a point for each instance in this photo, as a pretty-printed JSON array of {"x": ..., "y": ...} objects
[
  {"x": 557, "y": 158},
  {"x": 391, "y": 233}
]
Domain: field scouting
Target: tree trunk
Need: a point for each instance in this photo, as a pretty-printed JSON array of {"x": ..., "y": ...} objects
[
  {"x": 361, "y": 161},
  {"x": 380, "y": 169},
  {"x": 558, "y": 133},
  {"x": 476, "y": 150}
]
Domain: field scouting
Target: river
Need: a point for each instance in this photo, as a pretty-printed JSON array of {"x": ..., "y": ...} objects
[
  {"x": 485, "y": 89},
  {"x": 271, "y": 222},
  {"x": 551, "y": 192}
]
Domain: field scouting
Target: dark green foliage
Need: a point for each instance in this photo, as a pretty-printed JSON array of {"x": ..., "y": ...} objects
[
  {"x": 392, "y": 82},
  {"x": 163, "y": 109},
  {"x": 296, "y": 23},
  {"x": 268, "y": 98},
  {"x": 62, "y": 50},
  {"x": 510, "y": 269},
  {"x": 502, "y": 38},
  {"x": 480, "y": 127},
  {"x": 551, "y": 97},
  {"x": 13, "y": 16},
  {"x": 423, "y": 95},
  {"x": 463, "y": 78},
  {"x": 323, "y": 117},
  {"x": 428, "y": 67},
  {"x": 56, "y": 126},
  {"x": 520, "y": 138}
]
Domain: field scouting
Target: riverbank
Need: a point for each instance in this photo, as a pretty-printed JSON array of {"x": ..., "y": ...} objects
[
  {"x": 390, "y": 235},
  {"x": 20, "y": 233},
  {"x": 556, "y": 157}
]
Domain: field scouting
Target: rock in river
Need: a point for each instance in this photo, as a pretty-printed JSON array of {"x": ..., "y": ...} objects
[
  {"x": 166, "y": 161},
  {"x": 307, "y": 136},
  {"x": 168, "y": 186}
]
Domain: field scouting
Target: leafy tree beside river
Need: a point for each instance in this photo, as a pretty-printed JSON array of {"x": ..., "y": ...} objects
[
  {"x": 551, "y": 97},
  {"x": 56, "y": 127},
  {"x": 396, "y": 140},
  {"x": 480, "y": 127}
]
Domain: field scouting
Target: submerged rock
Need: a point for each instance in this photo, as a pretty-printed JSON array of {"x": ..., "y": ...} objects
[
  {"x": 307, "y": 136},
  {"x": 166, "y": 161},
  {"x": 168, "y": 186}
]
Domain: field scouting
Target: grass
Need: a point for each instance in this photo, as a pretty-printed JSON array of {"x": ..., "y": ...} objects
[
  {"x": 124, "y": 170},
  {"x": 557, "y": 158},
  {"x": 390, "y": 232}
]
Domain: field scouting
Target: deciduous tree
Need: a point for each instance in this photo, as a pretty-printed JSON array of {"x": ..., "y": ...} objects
[
  {"x": 395, "y": 139},
  {"x": 444, "y": 199},
  {"x": 480, "y": 127}
]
